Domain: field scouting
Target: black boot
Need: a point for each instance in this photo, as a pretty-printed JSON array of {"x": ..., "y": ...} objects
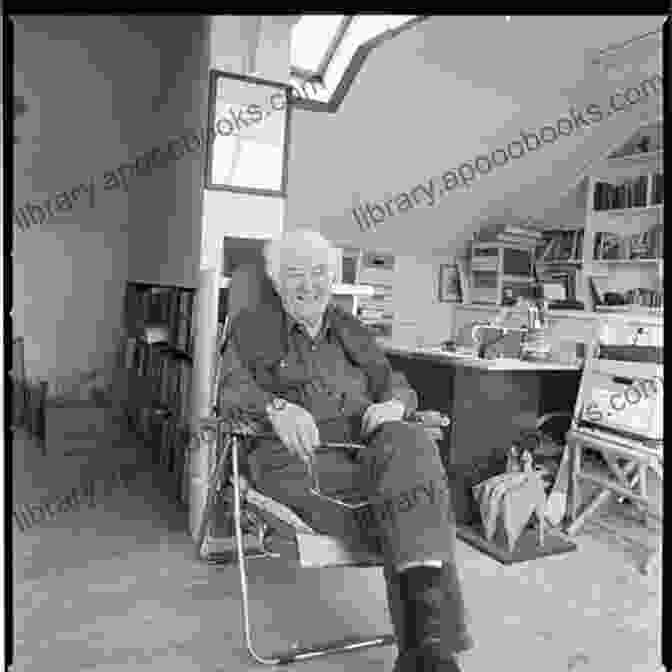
[{"x": 434, "y": 620}]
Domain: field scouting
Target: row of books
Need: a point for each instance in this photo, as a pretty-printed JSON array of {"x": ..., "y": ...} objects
[
  {"x": 166, "y": 379},
  {"x": 170, "y": 307},
  {"x": 511, "y": 234},
  {"x": 630, "y": 194},
  {"x": 612, "y": 246},
  {"x": 649, "y": 298},
  {"x": 167, "y": 438},
  {"x": 377, "y": 311},
  {"x": 155, "y": 355},
  {"x": 561, "y": 245}
]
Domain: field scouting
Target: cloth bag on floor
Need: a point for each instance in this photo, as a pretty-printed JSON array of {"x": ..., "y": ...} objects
[{"x": 510, "y": 499}]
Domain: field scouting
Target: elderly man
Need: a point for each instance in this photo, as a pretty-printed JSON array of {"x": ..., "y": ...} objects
[{"x": 317, "y": 374}]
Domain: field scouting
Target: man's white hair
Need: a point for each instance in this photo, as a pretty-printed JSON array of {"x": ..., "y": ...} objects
[{"x": 296, "y": 238}]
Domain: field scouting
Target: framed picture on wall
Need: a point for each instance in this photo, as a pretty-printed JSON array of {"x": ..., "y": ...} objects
[
  {"x": 450, "y": 290},
  {"x": 248, "y": 121}
]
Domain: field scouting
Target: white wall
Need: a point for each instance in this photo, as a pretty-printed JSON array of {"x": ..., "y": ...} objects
[
  {"x": 230, "y": 214},
  {"x": 244, "y": 45},
  {"x": 420, "y": 319},
  {"x": 99, "y": 90}
]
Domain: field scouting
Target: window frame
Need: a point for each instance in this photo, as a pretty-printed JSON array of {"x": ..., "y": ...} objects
[
  {"x": 318, "y": 74},
  {"x": 351, "y": 71}
]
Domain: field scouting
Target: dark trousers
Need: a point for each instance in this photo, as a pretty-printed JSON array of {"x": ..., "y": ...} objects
[{"x": 399, "y": 471}]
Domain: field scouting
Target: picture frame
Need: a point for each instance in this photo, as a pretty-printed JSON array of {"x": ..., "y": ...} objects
[
  {"x": 450, "y": 287},
  {"x": 248, "y": 128}
]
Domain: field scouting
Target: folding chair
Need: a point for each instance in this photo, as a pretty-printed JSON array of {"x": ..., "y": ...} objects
[
  {"x": 619, "y": 414},
  {"x": 234, "y": 438}
]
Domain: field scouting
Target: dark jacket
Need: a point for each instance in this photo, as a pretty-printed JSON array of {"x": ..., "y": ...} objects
[{"x": 260, "y": 339}]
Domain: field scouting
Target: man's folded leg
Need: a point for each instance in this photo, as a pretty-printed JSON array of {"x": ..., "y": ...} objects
[
  {"x": 405, "y": 479},
  {"x": 411, "y": 520},
  {"x": 286, "y": 479}
]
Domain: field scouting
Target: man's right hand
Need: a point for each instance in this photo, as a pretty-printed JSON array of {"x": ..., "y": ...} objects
[{"x": 296, "y": 428}]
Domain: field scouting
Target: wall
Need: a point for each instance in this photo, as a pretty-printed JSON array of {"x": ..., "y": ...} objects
[
  {"x": 244, "y": 45},
  {"x": 426, "y": 101},
  {"x": 165, "y": 210},
  {"x": 226, "y": 213},
  {"x": 420, "y": 319},
  {"x": 70, "y": 271}
]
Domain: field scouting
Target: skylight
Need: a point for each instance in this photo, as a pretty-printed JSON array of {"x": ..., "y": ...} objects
[
  {"x": 323, "y": 45},
  {"x": 312, "y": 38}
]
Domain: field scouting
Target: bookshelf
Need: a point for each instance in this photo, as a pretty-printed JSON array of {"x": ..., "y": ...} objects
[
  {"x": 155, "y": 356},
  {"x": 501, "y": 264},
  {"x": 620, "y": 245},
  {"x": 623, "y": 234}
]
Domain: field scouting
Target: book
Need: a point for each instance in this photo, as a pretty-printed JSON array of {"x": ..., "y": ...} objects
[
  {"x": 516, "y": 239},
  {"x": 631, "y": 193},
  {"x": 657, "y": 191},
  {"x": 610, "y": 246},
  {"x": 523, "y": 231},
  {"x": 509, "y": 233}
]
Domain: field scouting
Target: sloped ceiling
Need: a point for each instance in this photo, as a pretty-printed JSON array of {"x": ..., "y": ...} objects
[{"x": 452, "y": 88}]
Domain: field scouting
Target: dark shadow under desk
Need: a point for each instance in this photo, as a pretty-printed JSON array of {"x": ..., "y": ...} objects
[{"x": 489, "y": 404}]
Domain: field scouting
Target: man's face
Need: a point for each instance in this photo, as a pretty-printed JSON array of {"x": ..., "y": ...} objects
[{"x": 305, "y": 284}]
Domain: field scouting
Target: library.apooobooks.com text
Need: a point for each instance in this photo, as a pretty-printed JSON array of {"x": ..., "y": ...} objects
[{"x": 27, "y": 516}]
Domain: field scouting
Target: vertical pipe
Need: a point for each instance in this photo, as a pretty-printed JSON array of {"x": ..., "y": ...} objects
[{"x": 205, "y": 324}]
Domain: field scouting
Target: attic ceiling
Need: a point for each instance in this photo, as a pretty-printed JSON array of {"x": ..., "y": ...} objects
[{"x": 450, "y": 89}]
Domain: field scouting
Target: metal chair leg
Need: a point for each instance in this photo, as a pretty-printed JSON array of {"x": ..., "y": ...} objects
[
  {"x": 305, "y": 653},
  {"x": 214, "y": 480}
]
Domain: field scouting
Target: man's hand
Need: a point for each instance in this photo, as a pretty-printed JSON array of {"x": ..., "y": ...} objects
[
  {"x": 297, "y": 430},
  {"x": 376, "y": 414}
]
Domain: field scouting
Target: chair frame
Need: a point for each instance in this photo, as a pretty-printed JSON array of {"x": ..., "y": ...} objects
[
  {"x": 628, "y": 481},
  {"x": 219, "y": 474},
  {"x": 237, "y": 439}
]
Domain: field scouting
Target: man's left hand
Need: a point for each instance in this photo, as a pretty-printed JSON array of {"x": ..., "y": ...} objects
[{"x": 386, "y": 411}]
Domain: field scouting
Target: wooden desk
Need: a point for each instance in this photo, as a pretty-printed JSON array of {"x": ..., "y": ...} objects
[{"x": 489, "y": 402}]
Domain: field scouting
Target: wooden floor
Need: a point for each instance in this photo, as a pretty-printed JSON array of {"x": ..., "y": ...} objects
[{"x": 116, "y": 586}]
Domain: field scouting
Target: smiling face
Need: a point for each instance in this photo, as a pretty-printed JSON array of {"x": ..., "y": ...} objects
[{"x": 305, "y": 283}]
